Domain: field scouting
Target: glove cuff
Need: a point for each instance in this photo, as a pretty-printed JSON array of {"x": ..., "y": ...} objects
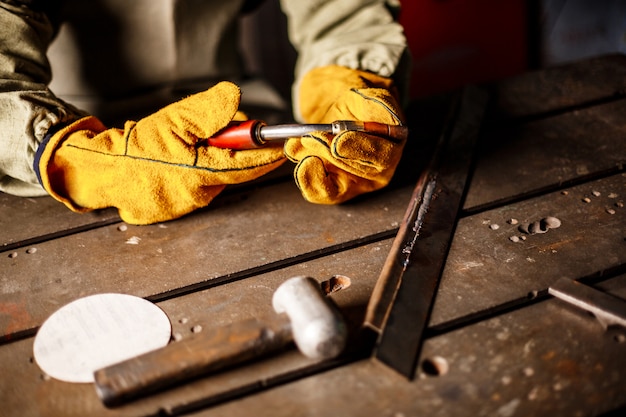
[
  {"x": 42, "y": 147},
  {"x": 50, "y": 176},
  {"x": 336, "y": 80}
]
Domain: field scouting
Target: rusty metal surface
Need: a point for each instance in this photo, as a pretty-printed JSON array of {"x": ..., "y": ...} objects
[{"x": 501, "y": 346}]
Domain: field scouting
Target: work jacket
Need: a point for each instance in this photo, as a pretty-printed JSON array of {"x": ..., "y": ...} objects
[{"x": 63, "y": 59}]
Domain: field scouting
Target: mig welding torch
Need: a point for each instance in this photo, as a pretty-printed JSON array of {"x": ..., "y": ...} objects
[{"x": 252, "y": 134}]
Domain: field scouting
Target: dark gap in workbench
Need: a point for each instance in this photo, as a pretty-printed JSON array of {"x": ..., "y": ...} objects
[
  {"x": 59, "y": 234},
  {"x": 257, "y": 387},
  {"x": 234, "y": 191},
  {"x": 560, "y": 186},
  {"x": 497, "y": 121},
  {"x": 237, "y": 276},
  {"x": 19, "y": 335},
  {"x": 517, "y": 303},
  {"x": 359, "y": 348},
  {"x": 272, "y": 266}
]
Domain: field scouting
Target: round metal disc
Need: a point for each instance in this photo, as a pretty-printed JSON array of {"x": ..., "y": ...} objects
[{"x": 97, "y": 331}]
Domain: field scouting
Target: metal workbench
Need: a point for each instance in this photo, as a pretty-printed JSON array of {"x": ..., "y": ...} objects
[{"x": 552, "y": 143}]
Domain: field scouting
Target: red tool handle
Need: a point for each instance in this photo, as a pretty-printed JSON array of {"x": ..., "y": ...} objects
[{"x": 239, "y": 136}]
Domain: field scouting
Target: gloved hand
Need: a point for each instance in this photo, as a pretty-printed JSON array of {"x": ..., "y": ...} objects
[
  {"x": 333, "y": 169},
  {"x": 156, "y": 169}
]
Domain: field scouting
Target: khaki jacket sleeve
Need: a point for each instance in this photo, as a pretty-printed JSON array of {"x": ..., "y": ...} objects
[
  {"x": 28, "y": 109},
  {"x": 358, "y": 34}
]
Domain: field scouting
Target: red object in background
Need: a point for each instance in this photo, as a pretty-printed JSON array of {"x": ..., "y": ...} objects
[{"x": 458, "y": 42}]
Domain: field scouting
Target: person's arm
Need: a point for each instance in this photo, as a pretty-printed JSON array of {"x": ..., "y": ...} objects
[
  {"x": 28, "y": 109},
  {"x": 156, "y": 169},
  {"x": 352, "y": 64},
  {"x": 357, "y": 34}
]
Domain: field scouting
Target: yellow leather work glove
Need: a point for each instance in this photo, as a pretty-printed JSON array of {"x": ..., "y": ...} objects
[
  {"x": 333, "y": 169},
  {"x": 156, "y": 169}
]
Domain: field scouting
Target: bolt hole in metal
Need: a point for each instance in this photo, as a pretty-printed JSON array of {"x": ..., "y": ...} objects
[
  {"x": 335, "y": 283},
  {"x": 435, "y": 366},
  {"x": 540, "y": 226}
]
